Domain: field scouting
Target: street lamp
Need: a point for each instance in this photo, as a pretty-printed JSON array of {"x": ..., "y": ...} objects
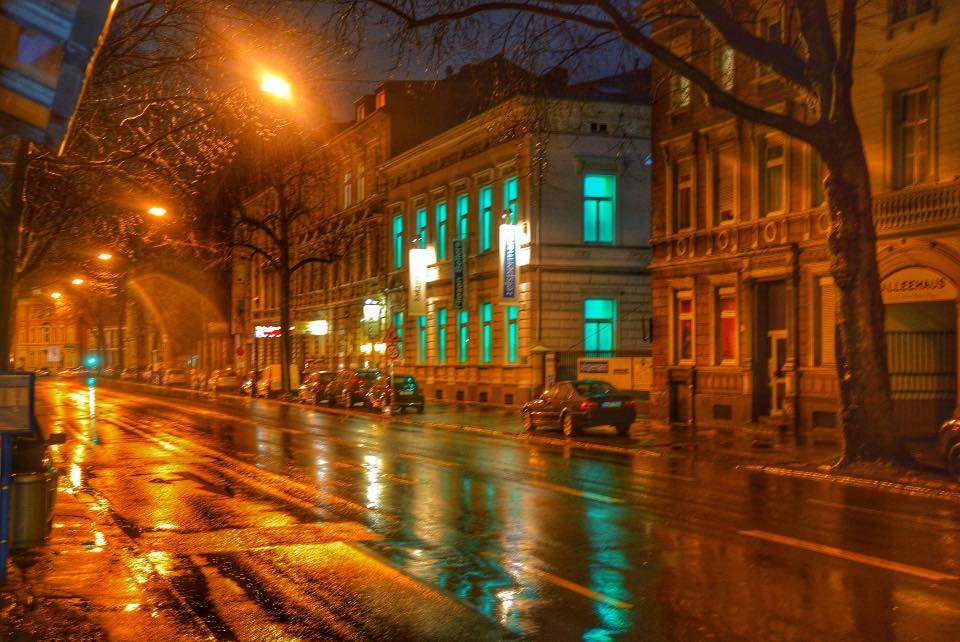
[
  {"x": 104, "y": 256},
  {"x": 77, "y": 281},
  {"x": 157, "y": 211},
  {"x": 275, "y": 86},
  {"x": 55, "y": 295}
]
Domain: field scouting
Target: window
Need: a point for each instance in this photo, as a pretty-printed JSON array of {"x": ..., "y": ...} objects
[
  {"x": 599, "y": 197},
  {"x": 771, "y": 178},
  {"x": 463, "y": 216},
  {"x": 679, "y": 92},
  {"x": 724, "y": 181},
  {"x": 421, "y": 339},
  {"x": 441, "y": 335},
  {"x": 463, "y": 335},
  {"x": 903, "y": 9},
  {"x": 398, "y": 325},
  {"x": 361, "y": 183},
  {"x": 599, "y": 317},
  {"x": 486, "y": 217},
  {"x": 347, "y": 190},
  {"x": 913, "y": 136},
  {"x": 511, "y": 190},
  {"x": 723, "y": 66},
  {"x": 440, "y": 228},
  {"x": 683, "y": 330},
  {"x": 817, "y": 174},
  {"x": 486, "y": 332},
  {"x": 380, "y": 100},
  {"x": 825, "y": 322},
  {"x": 682, "y": 194},
  {"x": 726, "y": 325},
  {"x": 422, "y": 227},
  {"x": 398, "y": 241},
  {"x": 510, "y": 317}
]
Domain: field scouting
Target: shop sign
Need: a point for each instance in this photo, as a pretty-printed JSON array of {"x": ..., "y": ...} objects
[
  {"x": 916, "y": 284},
  {"x": 459, "y": 276},
  {"x": 508, "y": 262},
  {"x": 266, "y": 331}
]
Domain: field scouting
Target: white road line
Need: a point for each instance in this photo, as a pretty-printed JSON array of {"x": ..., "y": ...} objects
[
  {"x": 571, "y": 491},
  {"x": 939, "y": 523},
  {"x": 869, "y": 560}
]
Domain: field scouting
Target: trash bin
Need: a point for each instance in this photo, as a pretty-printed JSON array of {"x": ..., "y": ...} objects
[{"x": 32, "y": 497}]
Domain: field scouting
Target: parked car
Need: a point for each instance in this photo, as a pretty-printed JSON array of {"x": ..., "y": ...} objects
[
  {"x": 351, "y": 386},
  {"x": 314, "y": 387},
  {"x": 225, "y": 380},
  {"x": 71, "y": 372},
  {"x": 130, "y": 374},
  {"x": 399, "y": 391},
  {"x": 270, "y": 383},
  {"x": 249, "y": 385},
  {"x": 575, "y": 405},
  {"x": 108, "y": 372},
  {"x": 175, "y": 377},
  {"x": 43, "y": 372},
  {"x": 949, "y": 446}
]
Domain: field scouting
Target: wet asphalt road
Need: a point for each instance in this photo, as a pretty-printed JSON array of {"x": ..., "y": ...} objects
[{"x": 268, "y": 521}]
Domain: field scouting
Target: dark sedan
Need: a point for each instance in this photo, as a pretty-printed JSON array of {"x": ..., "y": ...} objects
[
  {"x": 401, "y": 393},
  {"x": 314, "y": 387},
  {"x": 949, "y": 440},
  {"x": 575, "y": 405},
  {"x": 351, "y": 386}
]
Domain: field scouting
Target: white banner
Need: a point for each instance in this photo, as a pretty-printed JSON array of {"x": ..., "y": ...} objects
[
  {"x": 509, "y": 243},
  {"x": 420, "y": 259}
]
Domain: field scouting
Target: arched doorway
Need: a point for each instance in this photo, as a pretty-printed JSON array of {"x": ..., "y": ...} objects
[{"x": 921, "y": 337}]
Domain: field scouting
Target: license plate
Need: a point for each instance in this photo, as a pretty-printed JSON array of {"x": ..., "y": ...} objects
[
  {"x": 612, "y": 404},
  {"x": 405, "y": 393}
]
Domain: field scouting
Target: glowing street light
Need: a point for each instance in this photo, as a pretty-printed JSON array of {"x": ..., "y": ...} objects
[
  {"x": 104, "y": 256},
  {"x": 275, "y": 86},
  {"x": 55, "y": 295},
  {"x": 77, "y": 281},
  {"x": 157, "y": 211}
]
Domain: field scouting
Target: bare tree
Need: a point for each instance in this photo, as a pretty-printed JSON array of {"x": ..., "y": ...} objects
[{"x": 814, "y": 58}]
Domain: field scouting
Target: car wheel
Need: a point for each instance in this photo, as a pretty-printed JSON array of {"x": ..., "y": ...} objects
[
  {"x": 623, "y": 430},
  {"x": 953, "y": 461},
  {"x": 526, "y": 421},
  {"x": 317, "y": 400},
  {"x": 569, "y": 429}
]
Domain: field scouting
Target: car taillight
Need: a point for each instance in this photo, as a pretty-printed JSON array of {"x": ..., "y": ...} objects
[
  {"x": 589, "y": 406},
  {"x": 628, "y": 403},
  {"x": 357, "y": 382}
]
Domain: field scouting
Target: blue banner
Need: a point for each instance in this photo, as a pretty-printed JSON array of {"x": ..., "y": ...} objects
[{"x": 459, "y": 276}]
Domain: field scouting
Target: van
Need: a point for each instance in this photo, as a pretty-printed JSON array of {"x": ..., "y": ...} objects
[{"x": 268, "y": 385}]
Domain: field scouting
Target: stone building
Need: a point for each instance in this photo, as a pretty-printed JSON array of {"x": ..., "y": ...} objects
[
  {"x": 47, "y": 334},
  {"x": 743, "y": 300}
]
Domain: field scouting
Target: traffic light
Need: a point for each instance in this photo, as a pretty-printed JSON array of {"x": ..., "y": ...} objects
[{"x": 92, "y": 361}]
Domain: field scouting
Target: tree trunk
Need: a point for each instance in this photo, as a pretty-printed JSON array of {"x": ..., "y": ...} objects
[
  {"x": 11, "y": 215},
  {"x": 869, "y": 430},
  {"x": 285, "y": 330}
]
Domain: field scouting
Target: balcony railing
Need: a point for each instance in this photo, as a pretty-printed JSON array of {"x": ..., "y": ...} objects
[{"x": 917, "y": 207}]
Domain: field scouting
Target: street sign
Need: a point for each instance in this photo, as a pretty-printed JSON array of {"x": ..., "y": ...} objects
[
  {"x": 393, "y": 352},
  {"x": 16, "y": 401},
  {"x": 53, "y": 354},
  {"x": 392, "y": 335},
  {"x": 239, "y": 351}
]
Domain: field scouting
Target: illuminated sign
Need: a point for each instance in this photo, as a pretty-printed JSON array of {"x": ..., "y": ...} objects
[
  {"x": 420, "y": 260},
  {"x": 459, "y": 276},
  {"x": 509, "y": 235},
  {"x": 318, "y": 327},
  {"x": 266, "y": 331}
]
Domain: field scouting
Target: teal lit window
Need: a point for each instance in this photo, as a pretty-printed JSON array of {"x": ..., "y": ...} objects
[
  {"x": 463, "y": 216},
  {"x": 463, "y": 335},
  {"x": 421, "y": 339},
  {"x": 599, "y": 197},
  {"x": 510, "y": 314},
  {"x": 440, "y": 223},
  {"x": 422, "y": 227},
  {"x": 398, "y": 324},
  {"x": 486, "y": 218},
  {"x": 398, "y": 241},
  {"x": 511, "y": 192},
  {"x": 486, "y": 331},
  {"x": 599, "y": 317},
  {"x": 441, "y": 335}
]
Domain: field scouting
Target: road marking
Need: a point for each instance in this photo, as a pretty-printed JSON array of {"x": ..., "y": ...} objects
[
  {"x": 573, "y": 491},
  {"x": 940, "y": 523},
  {"x": 570, "y": 586},
  {"x": 869, "y": 560},
  {"x": 429, "y": 460}
]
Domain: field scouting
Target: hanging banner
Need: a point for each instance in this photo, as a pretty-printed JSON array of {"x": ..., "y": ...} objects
[
  {"x": 459, "y": 275},
  {"x": 417, "y": 297},
  {"x": 508, "y": 262}
]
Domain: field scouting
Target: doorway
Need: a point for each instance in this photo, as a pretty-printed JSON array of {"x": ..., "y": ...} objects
[
  {"x": 769, "y": 379},
  {"x": 921, "y": 343}
]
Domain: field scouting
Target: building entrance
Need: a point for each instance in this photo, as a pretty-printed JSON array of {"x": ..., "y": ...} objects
[
  {"x": 770, "y": 348},
  {"x": 921, "y": 343}
]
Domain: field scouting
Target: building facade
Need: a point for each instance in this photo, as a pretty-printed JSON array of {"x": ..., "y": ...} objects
[
  {"x": 47, "y": 334},
  {"x": 744, "y": 304},
  {"x": 569, "y": 174}
]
